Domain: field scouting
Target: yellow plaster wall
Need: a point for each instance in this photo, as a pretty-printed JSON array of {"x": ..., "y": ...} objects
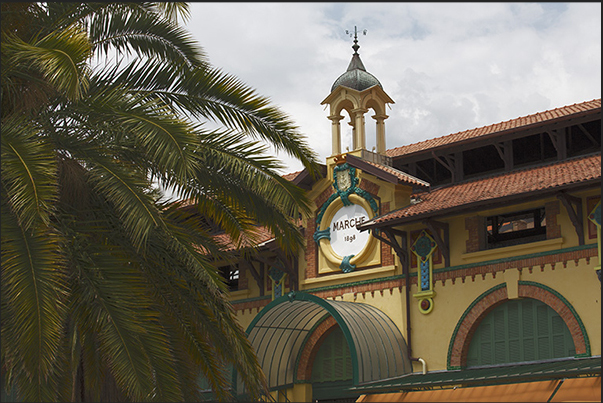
[
  {"x": 431, "y": 333},
  {"x": 245, "y": 317}
]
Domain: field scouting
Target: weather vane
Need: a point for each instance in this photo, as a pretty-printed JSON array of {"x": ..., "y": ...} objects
[{"x": 355, "y": 46}]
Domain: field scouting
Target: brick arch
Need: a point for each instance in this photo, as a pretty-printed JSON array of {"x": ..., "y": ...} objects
[
  {"x": 482, "y": 305},
  {"x": 311, "y": 347},
  {"x": 559, "y": 304}
]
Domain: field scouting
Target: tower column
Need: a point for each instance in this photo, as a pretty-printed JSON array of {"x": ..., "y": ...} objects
[
  {"x": 335, "y": 134},
  {"x": 354, "y": 139},
  {"x": 380, "y": 133},
  {"x": 359, "y": 132}
]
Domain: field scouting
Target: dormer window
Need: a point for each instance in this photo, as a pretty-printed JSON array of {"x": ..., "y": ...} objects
[
  {"x": 515, "y": 228},
  {"x": 231, "y": 276}
]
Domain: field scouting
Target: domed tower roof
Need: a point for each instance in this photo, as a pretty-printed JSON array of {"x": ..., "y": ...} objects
[{"x": 356, "y": 76}]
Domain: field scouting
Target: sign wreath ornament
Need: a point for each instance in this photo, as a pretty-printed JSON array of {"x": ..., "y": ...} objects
[{"x": 341, "y": 235}]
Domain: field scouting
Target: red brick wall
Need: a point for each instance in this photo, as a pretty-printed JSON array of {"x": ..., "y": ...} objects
[
  {"x": 323, "y": 197},
  {"x": 472, "y": 225},
  {"x": 542, "y": 262},
  {"x": 547, "y": 297},
  {"x": 243, "y": 278},
  {"x": 311, "y": 246},
  {"x": 311, "y": 249},
  {"x": 369, "y": 186},
  {"x": 553, "y": 229},
  {"x": 387, "y": 256},
  {"x": 460, "y": 348}
]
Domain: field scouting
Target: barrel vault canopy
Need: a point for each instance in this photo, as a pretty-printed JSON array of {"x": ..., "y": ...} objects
[{"x": 278, "y": 334}]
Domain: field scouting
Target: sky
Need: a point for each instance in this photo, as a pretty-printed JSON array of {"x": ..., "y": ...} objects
[{"x": 449, "y": 67}]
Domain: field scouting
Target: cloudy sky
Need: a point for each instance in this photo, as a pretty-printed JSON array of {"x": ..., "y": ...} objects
[{"x": 449, "y": 67}]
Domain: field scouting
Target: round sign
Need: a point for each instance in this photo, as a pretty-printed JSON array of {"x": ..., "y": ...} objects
[{"x": 346, "y": 239}]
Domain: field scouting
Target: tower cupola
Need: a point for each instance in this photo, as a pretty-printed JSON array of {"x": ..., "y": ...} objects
[
  {"x": 357, "y": 91},
  {"x": 356, "y": 76}
]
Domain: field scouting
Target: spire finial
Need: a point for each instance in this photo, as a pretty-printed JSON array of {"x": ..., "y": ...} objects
[{"x": 355, "y": 46}]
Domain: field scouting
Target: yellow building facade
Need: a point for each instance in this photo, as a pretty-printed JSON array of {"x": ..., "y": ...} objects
[{"x": 466, "y": 265}]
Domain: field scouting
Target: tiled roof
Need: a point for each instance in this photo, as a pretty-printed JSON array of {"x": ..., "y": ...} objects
[
  {"x": 520, "y": 122},
  {"x": 291, "y": 176},
  {"x": 402, "y": 177},
  {"x": 517, "y": 183},
  {"x": 260, "y": 236}
]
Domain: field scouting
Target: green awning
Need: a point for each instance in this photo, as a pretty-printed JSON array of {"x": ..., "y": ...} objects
[
  {"x": 279, "y": 332},
  {"x": 508, "y": 373}
]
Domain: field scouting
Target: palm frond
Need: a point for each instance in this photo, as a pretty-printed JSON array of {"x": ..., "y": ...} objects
[
  {"x": 145, "y": 34},
  {"x": 212, "y": 94},
  {"x": 129, "y": 193},
  {"x": 246, "y": 190},
  {"x": 28, "y": 171},
  {"x": 108, "y": 294},
  {"x": 60, "y": 57},
  {"x": 33, "y": 295},
  {"x": 173, "y": 10}
]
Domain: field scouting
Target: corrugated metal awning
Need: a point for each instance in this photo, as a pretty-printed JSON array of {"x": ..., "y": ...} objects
[
  {"x": 279, "y": 332},
  {"x": 480, "y": 376}
]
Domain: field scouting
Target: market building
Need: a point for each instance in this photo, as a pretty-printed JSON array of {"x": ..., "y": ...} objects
[{"x": 461, "y": 268}]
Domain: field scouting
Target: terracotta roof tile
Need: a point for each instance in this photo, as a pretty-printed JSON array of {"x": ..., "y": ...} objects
[
  {"x": 261, "y": 235},
  {"x": 510, "y": 184},
  {"x": 291, "y": 176},
  {"x": 497, "y": 127},
  {"x": 402, "y": 176}
]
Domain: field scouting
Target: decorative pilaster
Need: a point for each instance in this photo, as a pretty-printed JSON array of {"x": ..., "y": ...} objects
[
  {"x": 336, "y": 134},
  {"x": 277, "y": 276},
  {"x": 423, "y": 248},
  {"x": 359, "y": 132},
  {"x": 380, "y": 132}
]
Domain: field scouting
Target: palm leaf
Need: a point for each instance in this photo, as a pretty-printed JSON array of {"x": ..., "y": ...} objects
[
  {"x": 33, "y": 295},
  {"x": 59, "y": 56},
  {"x": 28, "y": 172}
]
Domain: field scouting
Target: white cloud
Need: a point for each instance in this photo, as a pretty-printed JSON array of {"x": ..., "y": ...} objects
[{"x": 448, "y": 66}]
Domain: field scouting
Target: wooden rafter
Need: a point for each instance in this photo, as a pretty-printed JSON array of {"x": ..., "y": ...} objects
[
  {"x": 587, "y": 134},
  {"x": 505, "y": 152},
  {"x": 399, "y": 247},
  {"x": 289, "y": 268},
  {"x": 443, "y": 243},
  {"x": 559, "y": 142},
  {"x": 258, "y": 276},
  {"x": 449, "y": 164},
  {"x": 569, "y": 202}
]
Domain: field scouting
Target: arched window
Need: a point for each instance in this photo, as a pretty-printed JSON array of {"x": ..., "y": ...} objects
[
  {"x": 520, "y": 330},
  {"x": 333, "y": 360}
]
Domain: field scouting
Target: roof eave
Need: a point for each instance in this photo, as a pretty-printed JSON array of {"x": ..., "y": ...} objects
[
  {"x": 384, "y": 175},
  {"x": 500, "y": 133},
  {"x": 480, "y": 204}
]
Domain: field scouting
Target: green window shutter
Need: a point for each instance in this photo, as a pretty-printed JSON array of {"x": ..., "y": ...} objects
[
  {"x": 514, "y": 329},
  {"x": 333, "y": 361},
  {"x": 520, "y": 330}
]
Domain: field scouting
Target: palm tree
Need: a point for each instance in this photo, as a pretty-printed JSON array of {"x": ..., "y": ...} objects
[{"x": 108, "y": 292}]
